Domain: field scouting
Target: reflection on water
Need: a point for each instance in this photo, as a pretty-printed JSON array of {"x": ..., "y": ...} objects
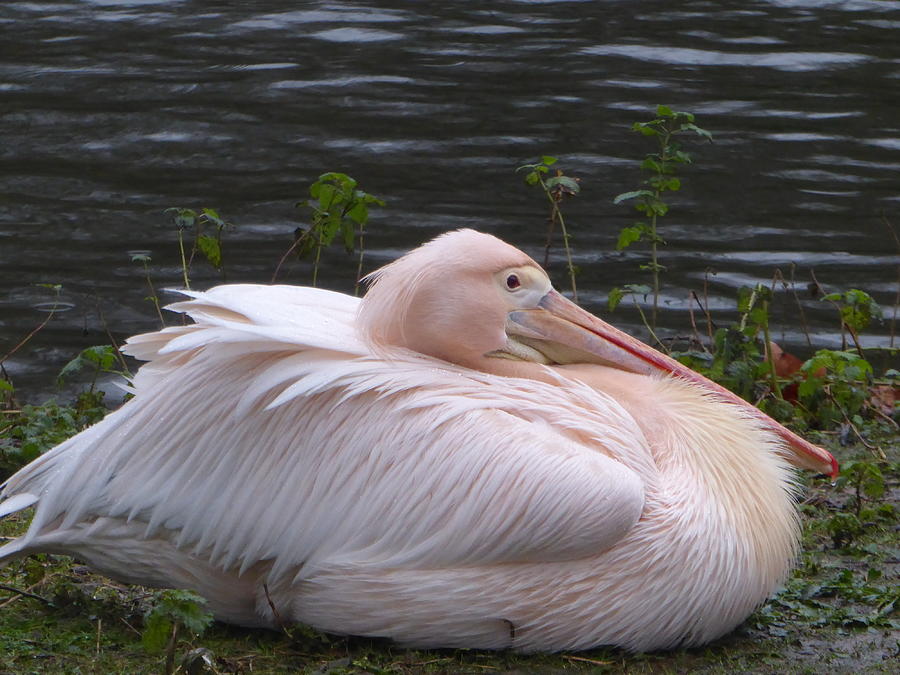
[{"x": 115, "y": 109}]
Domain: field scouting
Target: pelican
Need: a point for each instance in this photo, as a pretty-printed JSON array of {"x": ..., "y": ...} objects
[{"x": 464, "y": 458}]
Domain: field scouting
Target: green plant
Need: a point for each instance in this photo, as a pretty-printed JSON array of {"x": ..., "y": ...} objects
[
  {"x": 736, "y": 357},
  {"x": 556, "y": 188},
  {"x": 660, "y": 167},
  {"x": 857, "y": 309},
  {"x": 339, "y": 209},
  {"x": 29, "y": 432},
  {"x": 849, "y": 600},
  {"x": 144, "y": 260},
  {"x": 834, "y": 387},
  {"x": 98, "y": 359},
  {"x": 208, "y": 245},
  {"x": 172, "y": 612}
]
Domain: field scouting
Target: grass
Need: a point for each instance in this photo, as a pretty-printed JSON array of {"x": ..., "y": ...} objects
[{"x": 836, "y": 614}]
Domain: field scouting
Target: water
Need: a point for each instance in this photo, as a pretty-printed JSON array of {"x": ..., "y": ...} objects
[{"x": 113, "y": 110}]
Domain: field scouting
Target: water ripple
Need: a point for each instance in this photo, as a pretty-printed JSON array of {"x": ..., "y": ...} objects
[{"x": 798, "y": 61}]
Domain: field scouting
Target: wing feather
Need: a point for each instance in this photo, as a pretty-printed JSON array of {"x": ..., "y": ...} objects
[{"x": 258, "y": 437}]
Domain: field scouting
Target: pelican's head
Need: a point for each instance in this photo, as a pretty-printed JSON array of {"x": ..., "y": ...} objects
[{"x": 471, "y": 299}]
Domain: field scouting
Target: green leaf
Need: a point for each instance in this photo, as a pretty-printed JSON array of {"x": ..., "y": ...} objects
[
  {"x": 183, "y": 218},
  {"x": 140, "y": 257},
  {"x": 570, "y": 185},
  {"x": 664, "y": 111},
  {"x": 644, "y": 129},
  {"x": 629, "y": 235},
  {"x": 663, "y": 183},
  {"x": 615, "y": 297},
  {"x": 341, "y": 178},
  {"x": 657, "y": 207},
  {"x": 211, "y": 250},
  {"x": 184, "y": 607},
  {"x": 327, "y": 196},
  {"x": 212, "y": 216},
  {"x": 638, "y": 289},
  {"x": 549, "y": 160},
  {"x": 697, "y": 130},
  {"x": 6, "y": 385},
  {"x": 634, "y": 194},
  {"x": 157, "y": 630},
  {"x": 359, "y": 213},
  {"x": 102, "y": 357},
  {"x": 348, "y": 233}
]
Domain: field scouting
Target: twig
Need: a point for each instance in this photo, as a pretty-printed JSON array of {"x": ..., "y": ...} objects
[
  {"x": 887, "y": 418},
  {"x": 153, "y": 295},
  {"x": 556, "y": 215},
  {"x": 647, "y": 325},
  {"x": 773, "y": 376},
  {"x": 274, "y": 609},
  {"x": 705, "y": 306},
  {"x": 803, "y": 322},
  {"x": 184, "y": 263},
  {"x": 30, "y": 335},
  {"x": 586, "y": 660},
  {"x": 119, "y": 357},
  {"x": 297, "y": 241},
  {"x": 133, "y": 629},
  {"x": 419, "y": 663},
  {"x": 852, "y": 426},
  {"x": 26, "y": 594},
  {"x": 551, "y": 224},
  {"x": 694, "y": 325},
  {"x": 359, "y": 265},
  {"x": 836, "y": 306},
  {"x": 170, "y": 650}
]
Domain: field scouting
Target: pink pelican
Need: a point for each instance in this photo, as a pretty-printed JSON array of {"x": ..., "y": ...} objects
[{"x": 462, "y": 459}]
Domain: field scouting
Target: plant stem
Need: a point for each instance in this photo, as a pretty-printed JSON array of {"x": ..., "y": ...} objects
[
  {"x": 655, "y": 266},
  {"x": 32, "y": 333},
  {"x": 26, "y": 594},
  {"x": 549, "y": 240},
  {"x": 647, "y": 325},
  {"x": 170, "y": 650},
  {"x": 316, "y": 261},
  {"x": 664, "y": 139},
  {"x": 184, "y": 267},
  {"x": 773, "y": 376},
  {"x": 556, "y": 216},
  {"x": 153, "y": 296},
  {"x": 359, "y": 265}
]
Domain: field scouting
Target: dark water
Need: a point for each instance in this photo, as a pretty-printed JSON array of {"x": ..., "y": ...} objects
[{"x": 113, "y": 110}]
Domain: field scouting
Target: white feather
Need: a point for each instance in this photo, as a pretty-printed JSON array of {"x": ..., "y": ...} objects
[{"x": 408, "y": 497}]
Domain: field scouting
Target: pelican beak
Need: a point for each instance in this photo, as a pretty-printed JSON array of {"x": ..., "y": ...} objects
[{"x": 564, "y": 333}]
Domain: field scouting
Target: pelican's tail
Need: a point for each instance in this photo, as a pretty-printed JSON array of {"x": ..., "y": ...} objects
[
  {"x": 30, "y": 484},
  {"x": 15, "y": 503},
  {"x": 71, "y": 486}
]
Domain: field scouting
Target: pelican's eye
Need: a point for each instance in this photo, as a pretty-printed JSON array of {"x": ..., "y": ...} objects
[{"x": 512, "y": 282}]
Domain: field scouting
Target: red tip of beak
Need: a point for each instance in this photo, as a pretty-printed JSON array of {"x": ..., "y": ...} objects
[{"x": 835, "y": 468}]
